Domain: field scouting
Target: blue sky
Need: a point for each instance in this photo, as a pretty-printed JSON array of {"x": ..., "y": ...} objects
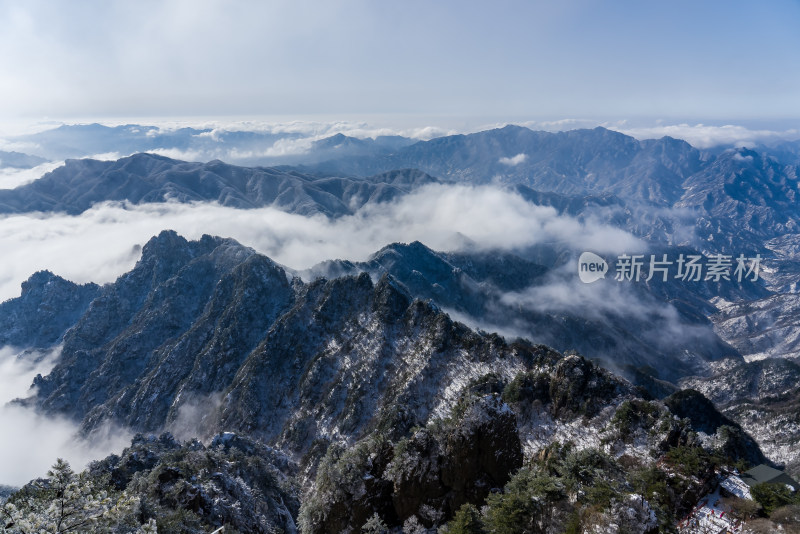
[{"x": 505, "y": 60}]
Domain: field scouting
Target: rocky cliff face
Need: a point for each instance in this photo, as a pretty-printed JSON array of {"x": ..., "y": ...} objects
[
  {"x": 47, "y": 307},
  {"x": 761, "y": 396},
  {"x": 210, "y": 323}
]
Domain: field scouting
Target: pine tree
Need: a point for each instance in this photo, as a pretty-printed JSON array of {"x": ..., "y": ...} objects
[
  {"x": 466, "y": 521},
  {"x": 374, "y": 525},
  {"x": 65, "y": 502}
]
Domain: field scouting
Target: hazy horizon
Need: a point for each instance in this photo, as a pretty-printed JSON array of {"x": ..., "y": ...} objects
[{"x": 514, "y": 61}]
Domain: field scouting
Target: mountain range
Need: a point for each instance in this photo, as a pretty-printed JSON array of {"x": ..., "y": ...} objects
[
  {"x": 661, "y": 189},
  {"x": 418, "y": 382},
  {"x": 80, "y": 184},
  {"x": 247, "y": 147},
  {"x": 18, "y": 160}
]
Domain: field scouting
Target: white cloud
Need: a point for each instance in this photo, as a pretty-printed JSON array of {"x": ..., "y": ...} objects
[
  {"x": 98, "y": 245},
  {"x": 705, "y": 136},
  {"x": 12, "y": 178},
  {"x": 611, "y": 302},
  {"x": 281, "y": 147},
  {"x": 185, "y": 155},
  {"x": 30, "y": 442},
  {"x": 107, "y": 156},
  {"x": 562, "y": 125},
  {"x": 311, "y": 130},
  {"x": 596, "y": 301},
  {"x": 193, "y": 418},
  {"x": 516, "y": 160}
]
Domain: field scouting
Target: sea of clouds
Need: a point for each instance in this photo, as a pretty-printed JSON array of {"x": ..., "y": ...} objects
[{"x": 105, "y": 241}]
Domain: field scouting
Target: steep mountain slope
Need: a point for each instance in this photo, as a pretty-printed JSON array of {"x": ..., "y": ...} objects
[
  {"x": 746, "y": 197},
  {"x": 383, "y": 399},
  {"x": 492, "y": 290},
  {"x": 181, "y": 327},
  {"x": 762, "y": 328},
  {"x": 744, "y": 193},
  {"x": 663, "y": 190},
  {"x": 654, "y": 225},
  {"x": 198, "y": 319},
  {"x": 763, "y": 397},
  {"x": 461, "y": 281},
  {"x": 212, "y": 323},
  {"x": 609, "y": 178},
  {"x": 80, "y": 184},
  {"x": 116, "y": 340},
  {"x": 340, "y": 146},
  {"x": 568, "y": 434}
]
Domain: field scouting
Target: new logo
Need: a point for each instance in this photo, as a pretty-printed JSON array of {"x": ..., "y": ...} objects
[{"x": 591, "y": 267}]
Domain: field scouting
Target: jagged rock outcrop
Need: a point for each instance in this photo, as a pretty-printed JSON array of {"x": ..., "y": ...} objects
[
  {"x": 762, "y": 397},
  {"x": 427, "y": 476},
  {"x": 47, "y": 307},
  {"x": 704, "y": 417},
  {"x": 233, "y": 482}
]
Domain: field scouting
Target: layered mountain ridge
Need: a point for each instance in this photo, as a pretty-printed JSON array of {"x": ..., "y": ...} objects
[
  {"x": 142, "y": 178},
  {"x": 361, "y": 374},
  {"x": 664, "y": 190}
]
